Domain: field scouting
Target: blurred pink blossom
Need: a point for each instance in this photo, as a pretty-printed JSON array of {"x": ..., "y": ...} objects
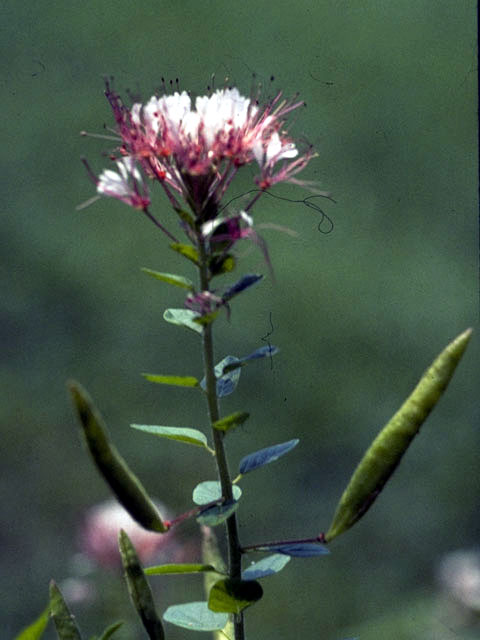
[{"x": 98, "y": 537}]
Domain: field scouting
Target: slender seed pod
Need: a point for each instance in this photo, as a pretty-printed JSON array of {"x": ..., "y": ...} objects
[
  {"x": 122, "y": 481},
  {"x": 139, "y": 589},
  {"x": 64, "y": 621},
  {"x": 386, "y": 451}
]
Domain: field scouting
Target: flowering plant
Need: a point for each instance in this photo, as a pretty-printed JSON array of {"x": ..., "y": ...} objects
[{"x": 194, "y": 154}]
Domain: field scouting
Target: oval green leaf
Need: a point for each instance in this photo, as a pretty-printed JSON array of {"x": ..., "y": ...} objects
[
  {"x": 170, "y": 278},
  {"x": 139, "y": 589},
  {"x": 231, "y": 421},
  {"x": 175, "y": 381},
  {"x": 265, "y": 456},
  {"x": 115, "y": 471},
  {"x": 196, "y": 616},
  {"x": 186, "y": 218},
  {"x": 64, "y": 621},
  {"x": 186, "y": 250},
  {"x": 207, "y": 318},
  {"x": 181, "y": 434},
  {"x": 183, "y": 318},
  {"x": 165, "y": 569},
  {"x": 233, "y": 596},
  {"x": 215, "y": 515},
  {"x": 266, "y": 567},
  {"x": 211, "y": 490},
  {"x": 221, "y": 264},
  {"x": 384, "y": 454}
]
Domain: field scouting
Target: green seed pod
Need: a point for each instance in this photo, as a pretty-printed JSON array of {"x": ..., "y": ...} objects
[
  {"x": 124, "y": 484},
  {"x": 386, "y": 451},
  {"x": 139, "y": 589},
  {"x": 62, "y": 618}
]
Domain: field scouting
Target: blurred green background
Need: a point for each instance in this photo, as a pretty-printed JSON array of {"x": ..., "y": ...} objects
[{"x": 358, "y": 314}]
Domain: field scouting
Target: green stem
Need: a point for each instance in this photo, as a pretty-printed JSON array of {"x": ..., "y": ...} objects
[{"x": 234, "y": 547}]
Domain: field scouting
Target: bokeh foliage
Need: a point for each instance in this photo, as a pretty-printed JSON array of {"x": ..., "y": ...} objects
[{"x": 358, "y": 313}]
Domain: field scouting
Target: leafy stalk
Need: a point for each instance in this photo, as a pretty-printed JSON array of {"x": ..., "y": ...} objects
[{"x": 234, "y": 548}]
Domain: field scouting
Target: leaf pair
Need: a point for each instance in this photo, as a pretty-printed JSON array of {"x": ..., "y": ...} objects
[
  {"x": 227, "y": 596},
  {"x": 227, "y": 371}
]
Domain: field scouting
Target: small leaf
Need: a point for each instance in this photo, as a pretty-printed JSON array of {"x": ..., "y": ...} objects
[
  {"x": 221, "y": 264},
  {"x": 265, "y": 456},
  {"x": 231, "y": 421},
  {"x": 110, "y": 630},
  {"x": 245, "y": 282},
  {"x": 183, "y": 318},
  {"x": 139, "y": 589},
  {"x": 266, "y": 351},
  {"x": 233, "y": 596},
  {"x": 226, "y": 383},
  {"x": 170, "y": 278},
  {"x": 187, "y": 251},
  {"x": 35, "y": 630},
  {"x": 196, "y": 616},
  {"x": 176, "y": 381},
  {"x": 186, "y": 218},
  {"x": 207, "y": 318},
  {"x": 297, "y": 549},
  {"x": 164, "y": 569},
  {"x": 62, "y": 618},
  {"x": 215, "y": 515},
  {"x": 266, "y": 567},
  {"x": 384, "y": 454},
  {"x": 210, "y": 490},
  {"x": 115, "y": 471},
  {"x": 182, "y": 434}
]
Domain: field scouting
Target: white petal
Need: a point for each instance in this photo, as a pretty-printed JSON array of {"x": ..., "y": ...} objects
[
  {"x": 276, "y": 149},
  {"x": 151, "y": 115},
  {"x": 127, "y": 166},
  {"x": 135, "y": 113},
  {"x": 175, "y": 107},
  {"x": 117, "y": 184},
  {"x": 190, "y": 124},
  {"x": 258, "y": 152},
  {"x": 110, "y": 183},
  {"x": 246, "y": 218}
]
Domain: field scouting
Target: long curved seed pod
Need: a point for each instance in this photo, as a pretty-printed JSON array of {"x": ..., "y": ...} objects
[
  {"x": 386, "y": 451},
  {"x": 64, "y": 621},
  {"x": 124, "y": 484},
  {"x": 139, "y": 589}
]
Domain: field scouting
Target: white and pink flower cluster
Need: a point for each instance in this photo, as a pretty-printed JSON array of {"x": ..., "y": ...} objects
[{"x": 195, "y": 151}]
